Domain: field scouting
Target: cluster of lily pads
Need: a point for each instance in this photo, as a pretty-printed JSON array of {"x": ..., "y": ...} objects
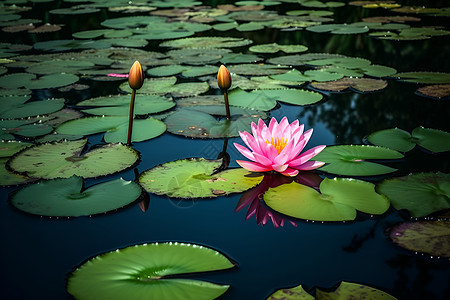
[{"x": 44, "y": 140}]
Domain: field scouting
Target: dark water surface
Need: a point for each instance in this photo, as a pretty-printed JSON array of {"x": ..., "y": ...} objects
[{"x": 38, "y": 253}]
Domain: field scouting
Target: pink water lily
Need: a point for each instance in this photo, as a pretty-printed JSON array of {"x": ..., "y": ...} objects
[{"x": 278, "y": 148}]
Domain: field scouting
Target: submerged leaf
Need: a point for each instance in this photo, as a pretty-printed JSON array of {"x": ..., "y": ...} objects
[{"x": 140, "y": 272}]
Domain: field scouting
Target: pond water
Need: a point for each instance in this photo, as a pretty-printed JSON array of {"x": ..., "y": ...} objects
[{"x": 39, "y": 253}]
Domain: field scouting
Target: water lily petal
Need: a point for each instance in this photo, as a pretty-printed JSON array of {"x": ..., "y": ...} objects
[
  {"x": 262, "y": 159},
  {"x": 284, "y": 124},
  {"x": 271, "y": 152},
  {"x": 290, "y": 172},
  {"x": 244, "y": 151},
  {"x": 253, "y": 166},
  {"x": 281, "y": 159},
  {"x": 304, "y": 157},
  {"x": 310, "y": 165},
  {"x": 250, "y": 141},
  {"x": 280, "y": 168}
]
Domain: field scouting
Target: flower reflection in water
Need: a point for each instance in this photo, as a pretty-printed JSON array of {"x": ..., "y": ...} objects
[{"x": 253, "y": 197}]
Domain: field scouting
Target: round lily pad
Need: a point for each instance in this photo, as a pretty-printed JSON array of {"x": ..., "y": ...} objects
[
  {"x": 8, "y": 178},
  {"x": 310, "y": 75},
  {"x": 197, "y": 124},
  {"x": 345, "y": 290},
  {"x": 400, "y": 140},
  {"x": 116, "y": 128},
  {"x": 142, "y": 271},
  {"x": 66, "y": 45},
  {"x": 257, "y": 69},
  {"x": 168, "y": 85},
  {"x": 436, "y": 91},
  {"x": 13, "y": 108},
  {"x": 207, "y": 42},
  {"x": 421, "y": 194},
  {"x": 8, "y": 148},
  {"x": 67, "y": 198},
  {"x": 274, "y": 47},
  {"x": 351, "y": 160},
  {"x": 254, "y": 99},
  {"x": 191, "y": 178},
  {"x": 65, "y": 159},
  {"x": 432, "y": 237},
  {"x": 338, "y": 200},
  {"x": 362, "y": 85},
  {"x": 424, "y": 77},
  {"x": 119, "y": 105},
  {"x": 294, "y": 96},
  {"x": 339, "y": 28},
  {"x": 30, "y": 81},
  {"x": 186, "y": 71},
  {"x": 23, "y": 128}
]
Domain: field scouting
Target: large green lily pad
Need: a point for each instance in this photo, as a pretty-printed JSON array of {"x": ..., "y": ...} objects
[
  {"x": 254, "y": 99},
  {"x": 421, "y": 194},
  {"x": 424, "y": 77},
  {"x": 191, "y": 178},
  {"x": 338, "y": 200},
  {"x": 15, "y": 108},
  {"x": 340, "y": 28},
  {"x": 294, "y": 96},
  {"x": 8, "y": 148},
  {"x": 345, "y": 290},
  {"x": 274, "y": 47},
  {"x": 207, "y": 42},
  {"x": 66, "y": 45},
  {"x": 140, "y": 271},
  {"x": 30, "y": 81},
  {"x": 362, "y": 85},
  {"x": 186, "y": 71},
  {"x": 197, "y": 124},
  {"x": 9, "y": 179},
  {"x": 400, "y": 140},
  {"x": 67, "y": 198},
  {"x": 351, "y": 160},
  {"x": 65, "y": 159},
  {"x": 116, "y": 128},
  {"x": 23, "y": 128},
  {"x": 310, "y": 75},
  {"x": 432, "y": 237},
  {"x": 119, "y": 105}
]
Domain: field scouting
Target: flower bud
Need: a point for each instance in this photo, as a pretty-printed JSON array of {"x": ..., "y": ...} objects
[
  {"x": 223, "y": 78},
  {"x": 136, "y": 76}
]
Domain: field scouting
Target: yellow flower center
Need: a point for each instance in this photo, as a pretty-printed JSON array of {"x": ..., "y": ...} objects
[{"x": 278, "y": 144}]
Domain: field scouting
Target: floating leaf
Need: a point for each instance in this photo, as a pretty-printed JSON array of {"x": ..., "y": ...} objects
[
  {"x": 119, "y": 105},
  {"x": 409, "y": 34},
  {"x": 186, "y": 71},
  {"x": 132, "y": 22},
  {"x": 346, "y": 290},
  {"x": 238, "y": 58},
  {"x": 67, "y": 198},
  {"x": 30, "y": 81},
  {"x": 106, "y": 33},
  {"x": 64, "y": 159},
  {"x": 438, "y": 91},
  {"x": 257, "y": 70},
  {"x": 420, "y": 194},
  {"x": 424, "y": 77},
  {"x": 116, "y": 128},
  {"x": 255, "y": 99},
  {"x": 8, "y": 178},
  {"x": 310, "y": 75},
  {"x": 8, "y": 148},
  {"x": 140, "y": 271},
  {"x": 74, "y": 11},
  {"x": 22, "y": 128},
  {"x": 432, "y": 237},
  {"x": 362, "y": 85},
  {"x": 207, "y": 42},
  {"x": 274, "y": 47},
  {"x": 197, "y": 124},
  {"x": 66, "y": 45},
  {"x": 13, "y": 108},
  {"x": 340, "y": 28},
  {"x": 294, "y": 96},
  {"x": 351, "y": 160},
  {"x": 338, "y": 200},
  {"x": 400, "y": 140},
  {"x": 191, "y": 178}
]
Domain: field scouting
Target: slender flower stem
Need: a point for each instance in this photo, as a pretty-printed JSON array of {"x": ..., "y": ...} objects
[
  {"x": 227, "y": 106},
  {"x": 131, "y": 118}
]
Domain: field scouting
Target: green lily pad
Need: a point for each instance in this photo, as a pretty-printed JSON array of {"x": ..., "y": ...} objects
[
  {"x": 116, "y": 128},
  {"x": 207, "y": 42},
  {"x": 257, "y": 69},
  {"x": 274, "y": 47},
  {"x": 251, "y": 26},
  {"x": 432, "y": 237},
  {"x": 30, "y": 81},
  {"x": 176, "y": 3},
  {"x": 106, "y": 33},
  {"x": 338, "y": 200},
  {"x": 191, "y": 178},
  {"x": 74, "y": 10},
  {"x": 119, "y": 105},
  {"x": 420, "y": 194},
  {"x": 310, "y": 75},
  {"x": 194, "y": 56},
  {"x": 198, "y": 124},
  {"x": 294, "y": 96},
  {"x": 8, "y": 148},
  {"x": 255, "y": 99},
  {"x": 22, "y": 128},
  {"x": 60, "y": 66},
  {"x": 132, "y": 22},
  {"x": 239, "y": 58},
  {"x": 424, "y": 77},
  {"x": 410, "y": 34},
  {"x": 67, "y": 198},
  {"x": 340, "y": 61},
  {"x": 140, "y": 271},
  {"x": 400, "y": 140},
  {"x": 10, "y": 179},
  {"x": 186, "y": 71},
  {"x": 65, "y": 159},
  {"x": 299, "y": 60},
  {"x": 351, "y": 160},
  {"x": 361, "y": 85},
  {"x": 168, "y": 85},
  {"x": 257, "y": 83},
  {"x": 13, "y": 108},
  {"x": 66, "y": 45},
  {"x": 345, "y": 290},
  {"x": 219, "y": 110},
  {"x": 339, "y": 28}
]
